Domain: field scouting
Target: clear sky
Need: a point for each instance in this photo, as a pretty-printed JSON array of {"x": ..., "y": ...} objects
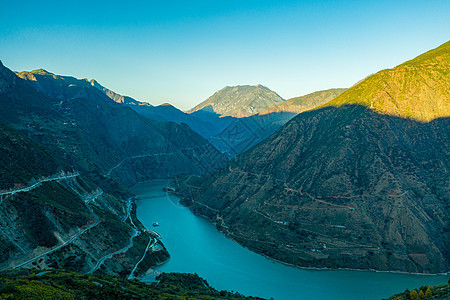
[{"x": 181, "y": 52}]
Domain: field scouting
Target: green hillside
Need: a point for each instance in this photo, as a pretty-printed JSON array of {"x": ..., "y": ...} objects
[
  {"x": 99, "y": 135},
  {"x": 67, "y": 150},
  {"x": 55, "y": 284},
  {"x": 346, "y": 185},
  {"x": 21, "y": 159},
  {"x": 417, "y": 89},
  {"x": 439, "y": 292}
]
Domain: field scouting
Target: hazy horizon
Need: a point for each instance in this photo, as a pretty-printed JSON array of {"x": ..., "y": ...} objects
[{"x": 181, "y": 53}]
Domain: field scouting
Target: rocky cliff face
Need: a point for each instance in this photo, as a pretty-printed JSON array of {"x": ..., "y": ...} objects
[
  {"x": 352, "y": 186},
  {"x": 240, "y": 101}
]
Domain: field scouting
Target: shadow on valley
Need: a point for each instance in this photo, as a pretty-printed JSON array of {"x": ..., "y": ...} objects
[{"x": 339, "y": 187}]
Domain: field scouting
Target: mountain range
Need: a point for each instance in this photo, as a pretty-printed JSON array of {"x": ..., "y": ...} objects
[
  {"x": 243, "y": 133},
  {"x": 359, "y": 182},
  {"x": 69, "y": 154},
  {"x": 342, "y": 178},
  {"x": 119, "y": 140},
  {"x": 228, "y": 132}
]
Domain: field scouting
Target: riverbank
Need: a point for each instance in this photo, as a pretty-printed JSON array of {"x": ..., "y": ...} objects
[
  {"x": 228, "y": 235},
  {"x": 196, "y": 246},
  {"x": 225, "y": 231},
  {"x": 315, "y": 251},
  {"x": 151, "y": 259}
]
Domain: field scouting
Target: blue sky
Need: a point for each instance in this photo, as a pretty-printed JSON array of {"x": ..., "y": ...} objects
[{"x": 181, "y": 52}]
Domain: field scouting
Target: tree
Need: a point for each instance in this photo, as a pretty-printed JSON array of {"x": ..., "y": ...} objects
[
  {"x": 414, "y": 295},
  {"x": 421, "y": 294},
  {"x": 429, "y": 292}
]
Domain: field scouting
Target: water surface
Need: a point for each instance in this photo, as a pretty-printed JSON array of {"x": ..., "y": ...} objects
[{"x": 196, "y": 246}]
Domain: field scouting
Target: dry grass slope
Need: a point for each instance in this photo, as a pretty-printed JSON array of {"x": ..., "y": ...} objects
[{"x": 418, "y": 89}]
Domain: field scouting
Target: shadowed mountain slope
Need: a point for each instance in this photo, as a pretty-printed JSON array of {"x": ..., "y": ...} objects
[
  {"x": 243, "y": 133},
  {"x": 68, "y": 152},
  {"x": 352, "y": 186},
  {"x": 111, "y": 136},
  {"x": 164, "y": 112},
  {"x": 231, "y": 135},
  {"x": 116, "y": 97},
  {"x": 167, "y": 112},
  {"x": 48, "y": 211},
  {"x": 22, "y": 159}
]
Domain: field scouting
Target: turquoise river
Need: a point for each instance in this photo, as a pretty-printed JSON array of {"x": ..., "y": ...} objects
[{"x": 196, "y": 246}]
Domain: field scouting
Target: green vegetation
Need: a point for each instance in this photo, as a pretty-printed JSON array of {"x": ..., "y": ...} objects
[
  {"x": 60, "y": 123},
  {"x": 55, "y": 284},
  {"x": 53, "y": 199},
  {"x": 70, "y": 258},
  {"x": 354, "y": 178},
  {"x": 38, "y": 229},
  {"x": 439, "y": 292},
  {"x": 152, "y": 259},
  {"x": 78, "y": 121},
  {"x": 21, "y": 159},
  {"x": 417, "y": 89},
  {"x": 65, "y": 201},
  {"x": 117, "y": 231},
  {"x": 6, "y": 247}
]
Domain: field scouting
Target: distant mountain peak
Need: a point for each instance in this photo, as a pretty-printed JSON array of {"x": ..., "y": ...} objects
[
  {"x": 306, "y": 102},
  {"x": 240, "y": 101},
  {"x": 360, "y": 182},
  {"x": 41, "y": 72}
]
